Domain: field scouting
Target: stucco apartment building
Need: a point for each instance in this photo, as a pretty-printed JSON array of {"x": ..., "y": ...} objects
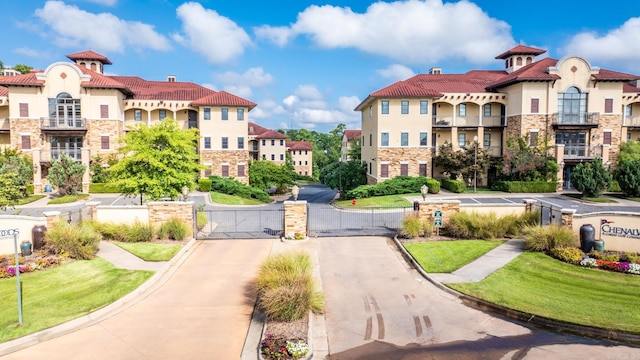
[
  {"x": 584, "y": 110},
  {"x": 74, "y": 108},
  {"x": 350, "y": 139},
  {"x": 268, "y": 144}
]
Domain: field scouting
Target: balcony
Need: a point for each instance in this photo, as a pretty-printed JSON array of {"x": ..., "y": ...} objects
[
  {"x": 53, "y": 124},
  {"x": 468, "y": 121},
  {"x": 442, "y": 121},
  {"x": 493, "y": 121},
  {"x": 55, "y": 153},
  {"x": 575, "y": 121},
  {"x": 631, "y": 121},
  {"x": 582, "y": 152}
]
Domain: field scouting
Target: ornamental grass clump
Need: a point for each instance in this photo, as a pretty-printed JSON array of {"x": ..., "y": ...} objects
[
  {"x": 474, "y": 225},
  {"x": 173, "y": 229},
  {"x": 537, "y": 238},
  {"x": 286, "y": 288},
  {"x": 77, "y": 241}
]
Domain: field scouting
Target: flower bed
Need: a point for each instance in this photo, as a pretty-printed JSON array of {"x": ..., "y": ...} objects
[
  {"x": 33, "y": 262},
  {"x": 617, "y": 266}
]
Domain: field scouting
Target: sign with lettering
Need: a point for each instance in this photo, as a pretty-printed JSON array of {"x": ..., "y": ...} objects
[
  {"x": 608, "y": 228},
  {"x": 9, "y": 232},
  {"x": 437, "y": 218}
]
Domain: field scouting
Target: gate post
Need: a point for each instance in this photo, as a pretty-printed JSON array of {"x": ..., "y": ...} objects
[
  {"x": 295, "y": 219},
  {"x": 567, "y": 217}
]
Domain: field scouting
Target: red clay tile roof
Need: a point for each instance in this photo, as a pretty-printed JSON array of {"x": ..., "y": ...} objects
[
  {"x": 474, "y": 81},
  {"x": 537, "y": 71},
  {"x": 4, "y": 91},
  {"x": 521, "y": 50},
  {"x": 223, "y": 98},
  {"x": 272, "y": 134},
  {"x": 255, "y": 129},
  {"x": 89, "y": 55},
  {"x": 163, "y": 90},
  {"x": 614, "y": 75},
  {"x": 352, "y": 134},
  {"x": 22, "y": 80},
  {"x": 630, "y": 87},
  {"x": 103, "y": 82},
  {"x": 299, "y": 145},
  {"x": 404, "y": 89}
]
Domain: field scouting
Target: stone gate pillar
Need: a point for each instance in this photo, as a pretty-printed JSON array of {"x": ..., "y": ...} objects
[{"x": 295, "y": 218}]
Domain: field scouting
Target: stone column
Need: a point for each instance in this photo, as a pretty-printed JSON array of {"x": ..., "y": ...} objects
[
  {"x": 53, "y": 217},
  {"x": 427, "y": 209},
  {"x": 295, "y": 218},
  {"x": 163, "y": 211},
  {"x": 92, "y": 209},
  {"x": 529, "y": 205},
  {"x": 567, "y": 217},
  {"x": 36, "y": 155},
  {"x": 86, "y": 177},
  {"x": 560, "y": 161}
]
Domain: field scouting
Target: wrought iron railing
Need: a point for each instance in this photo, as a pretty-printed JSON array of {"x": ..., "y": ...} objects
[
  {"x": 582, "y": 151},
  {"x": 591, "y": 118},
  {"x": 63, "y": 124}
]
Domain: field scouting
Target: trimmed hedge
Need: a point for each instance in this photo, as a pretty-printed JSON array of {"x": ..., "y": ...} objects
[
  {"x": 30, "y": 189},
  {"x": 525, "y": 186},
  {"x": 234, "y": 187},
  {"x": 204, "y": 185},
  {"x": 455, "y": 186},
  {"x": 397, "y": 185},
  {"x": 103, "y": 188}
]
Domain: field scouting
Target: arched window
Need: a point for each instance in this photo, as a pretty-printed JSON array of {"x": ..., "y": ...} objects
[
  {"x": 529, "y": 60},
  {"x": 572, "y": 106},
  {"x": 519, "y": 61},
  {"x": 64, "y": 111},
  {"x": 93, "y": 66}
]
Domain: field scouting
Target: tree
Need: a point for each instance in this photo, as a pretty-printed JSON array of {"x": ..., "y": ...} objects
[
  {"x": 628, "y": 177},
  {"x": 22, "y": 68},
  {"x": 523, "y": 162},
  {"x": 66, "y": 175},
  {"x": 591, "y": 178},
  {"x": 344, "y": 176},
  {"x": 263, "y": 174},
  {"x": 629, "y": 151},
  {"x": 20, "y": 165},
  {"x": 10, "y": 190},
  {"x": 157, "y": 161},
  {"x": 98, "y": 168},
  {"x": 463, "y": 162}
]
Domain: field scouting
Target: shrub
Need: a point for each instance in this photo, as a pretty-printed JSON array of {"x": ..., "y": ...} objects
[
  {"x": 204, "y": 185},
  {"x": 615, "y": 187},
  {"x": 397, "y": 185},
  {"x": 173, "y": 229},
  {"x": 77, "y": 241},
  {"x": 628, "y": 177},
  {"x": 138, "y": 232},
  {"x": 286, "y": 288},
  {"x": 30, "y": 189},
  {"x": 571, "y": 255},
  {"x": 202, "y": 219},
  {"x": 434, "y": 186},
  {"x": 103, "y": 188},
  {"x": 525, "y": 186},
  {"x": 539, "y": 238},
  {"x": 591, "y": 178},
  {"x": 411, "y": 226},
  {"x": 234, "y": 187},
  {"x": 455, "y": 186},
  {"x": 473, "y": 225}
]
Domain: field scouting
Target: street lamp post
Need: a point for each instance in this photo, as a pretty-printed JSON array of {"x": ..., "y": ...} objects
[
  {"x": 185, "y": 192},
  {"x": 423, "y": 190},
  {"x": 475, "y": 163}
]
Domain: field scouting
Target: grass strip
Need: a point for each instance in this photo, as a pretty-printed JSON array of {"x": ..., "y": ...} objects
[
  {"x": 63, "y": 293},
  {"x": 538, "y": 284},
  {"x": 448, "y": 256},
  {"x": 68, "y": 199},
  {"x": 397, "y": 200},
  {"x": 150, "y": 251},
  {"x": 226, "y": 199}
]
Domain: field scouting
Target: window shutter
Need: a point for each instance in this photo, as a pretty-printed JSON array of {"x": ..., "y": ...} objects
[
  {"x": 225, "y": 170},
  {"x": 608, "y": 106},
  {"x": 423, "y": 169},
  {"x": 104, "y": 111},
  {"x": 240, "y": 170},
  {"x": 535, "y": 103},
  {"x": 26, "y": 141},
  {"x": 384, "y": 170},
  {"x": 404, "y": 169},
  {"x": 24, "y": 110},
  {"x": 104, "y": 142},
  {"x": 606, "y": 138}
]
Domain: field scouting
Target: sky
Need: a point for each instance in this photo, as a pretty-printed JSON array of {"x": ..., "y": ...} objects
[{"x": 308, "y": 64}]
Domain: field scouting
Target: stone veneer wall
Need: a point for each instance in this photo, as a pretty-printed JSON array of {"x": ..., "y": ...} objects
[
  {"x": 18, "y": 126},
  {"x": 413, "y": 156},
  {"x": 96, "y": 128},
  {"x": 295, "y": 217},
  {"x": 426, "y": 209},
  {"x": 514, "y": 127},
  {"x": 231, "y": 157},
  {"x": 160, "y": 212},
  {"x": 613, "y": 123}
]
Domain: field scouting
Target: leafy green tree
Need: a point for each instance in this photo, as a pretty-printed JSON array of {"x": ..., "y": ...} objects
[
  {"x": 98, "y": 168},
  {"x": 10, "y": 190},
  {"x": 463, "y": 162},
  {"x": 22, "y": 68},
  {"x": 345, "y": 176},
  {"x": 20, "y": 165},
  {"x": 264, "y": 174},
  {"x": 66, "y": 175},
  {"x": 591, "y": 178},
  {"x": 629, "y": 151},
  {"x": 628, "y": 177},
  {"x": 522, "y": 162},
  {"x": 157, "y": 161}
]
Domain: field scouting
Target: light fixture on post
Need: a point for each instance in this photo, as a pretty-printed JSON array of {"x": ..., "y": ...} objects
[
  {"x": 423, "y": 190},
  {"x": 295, "y": 191},
  {"x": 185, "y": 192},
  {"x": 475, "y": 163},
  {"x": 35, "y": 168},
  {"x": 608, "y": 165},
  {"x": 561, "y": 165}
]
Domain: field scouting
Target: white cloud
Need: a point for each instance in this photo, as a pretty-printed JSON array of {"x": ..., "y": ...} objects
[
  {"x": 73, "y": 27},
  {"x": 308, "y": 109},
  {"x": 29, "y": 52},
  {"x": 255, "y": 77},
  {"x": 396, "y": 72},
  {"x": 618, "y": 47},
  {"x": 215, "y": 37},
  {"x": 413, "y": 31}
]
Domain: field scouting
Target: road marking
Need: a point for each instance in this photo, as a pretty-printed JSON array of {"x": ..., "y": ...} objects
[
  {"x": 475, "y": 200},
  {"x": 507, "y": 200}
]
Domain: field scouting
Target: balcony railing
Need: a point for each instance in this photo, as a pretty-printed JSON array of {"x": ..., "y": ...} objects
[
  {"x": 589, "y": 119},
  {"x": 442, "y": 120},
  {"x": 63, "y": 124},
  {"x": 497, "y": 120},
  {"x": 54, "y": 154},
  {"x": 633, "y": 120},
  {"x": 495, "y": 151},
  {"x": 582, "y": 152},
  {"x": 468, "y": 120}
]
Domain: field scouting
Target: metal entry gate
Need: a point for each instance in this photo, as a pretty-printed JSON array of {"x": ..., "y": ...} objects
[
  {"x": 548, "y": 214},
  {"x": 325, "y": 221},
  {"x": 243, "y": 223}
]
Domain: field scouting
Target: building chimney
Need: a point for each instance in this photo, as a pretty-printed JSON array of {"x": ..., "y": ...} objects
[
  {"x": 171, "y": 78},
  {"x": 435, "y": 71}
]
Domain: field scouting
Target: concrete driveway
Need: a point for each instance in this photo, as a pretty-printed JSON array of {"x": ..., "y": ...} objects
[{"x": 378, "y": 307}]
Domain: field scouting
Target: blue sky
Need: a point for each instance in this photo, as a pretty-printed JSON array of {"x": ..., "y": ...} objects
[{"x": 307, "y": 64}]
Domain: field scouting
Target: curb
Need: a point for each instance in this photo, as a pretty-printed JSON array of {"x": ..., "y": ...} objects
[
  {"x": 142, "y": 291},
  {"x": 526, "y": 318}
]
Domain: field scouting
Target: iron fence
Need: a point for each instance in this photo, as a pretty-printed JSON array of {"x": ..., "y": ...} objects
[
  {"x": 325, "y": 221},
  {"x": 243, "y": 224}
]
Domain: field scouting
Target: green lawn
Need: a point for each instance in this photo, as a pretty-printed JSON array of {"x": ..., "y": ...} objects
[
  {"x": 540, "y": 285},
  {"x": 388, "y": 200},
  {"x": 448, "y": 256},
  {"x": 29, "y": 199},
  {"x": 54, "y": 296},
  {"x": 68, "y": 199},
  {"x": 150, "y": 251},
  {"x": 599, "y": 199},
  {"x": 225, "y": 199}
]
